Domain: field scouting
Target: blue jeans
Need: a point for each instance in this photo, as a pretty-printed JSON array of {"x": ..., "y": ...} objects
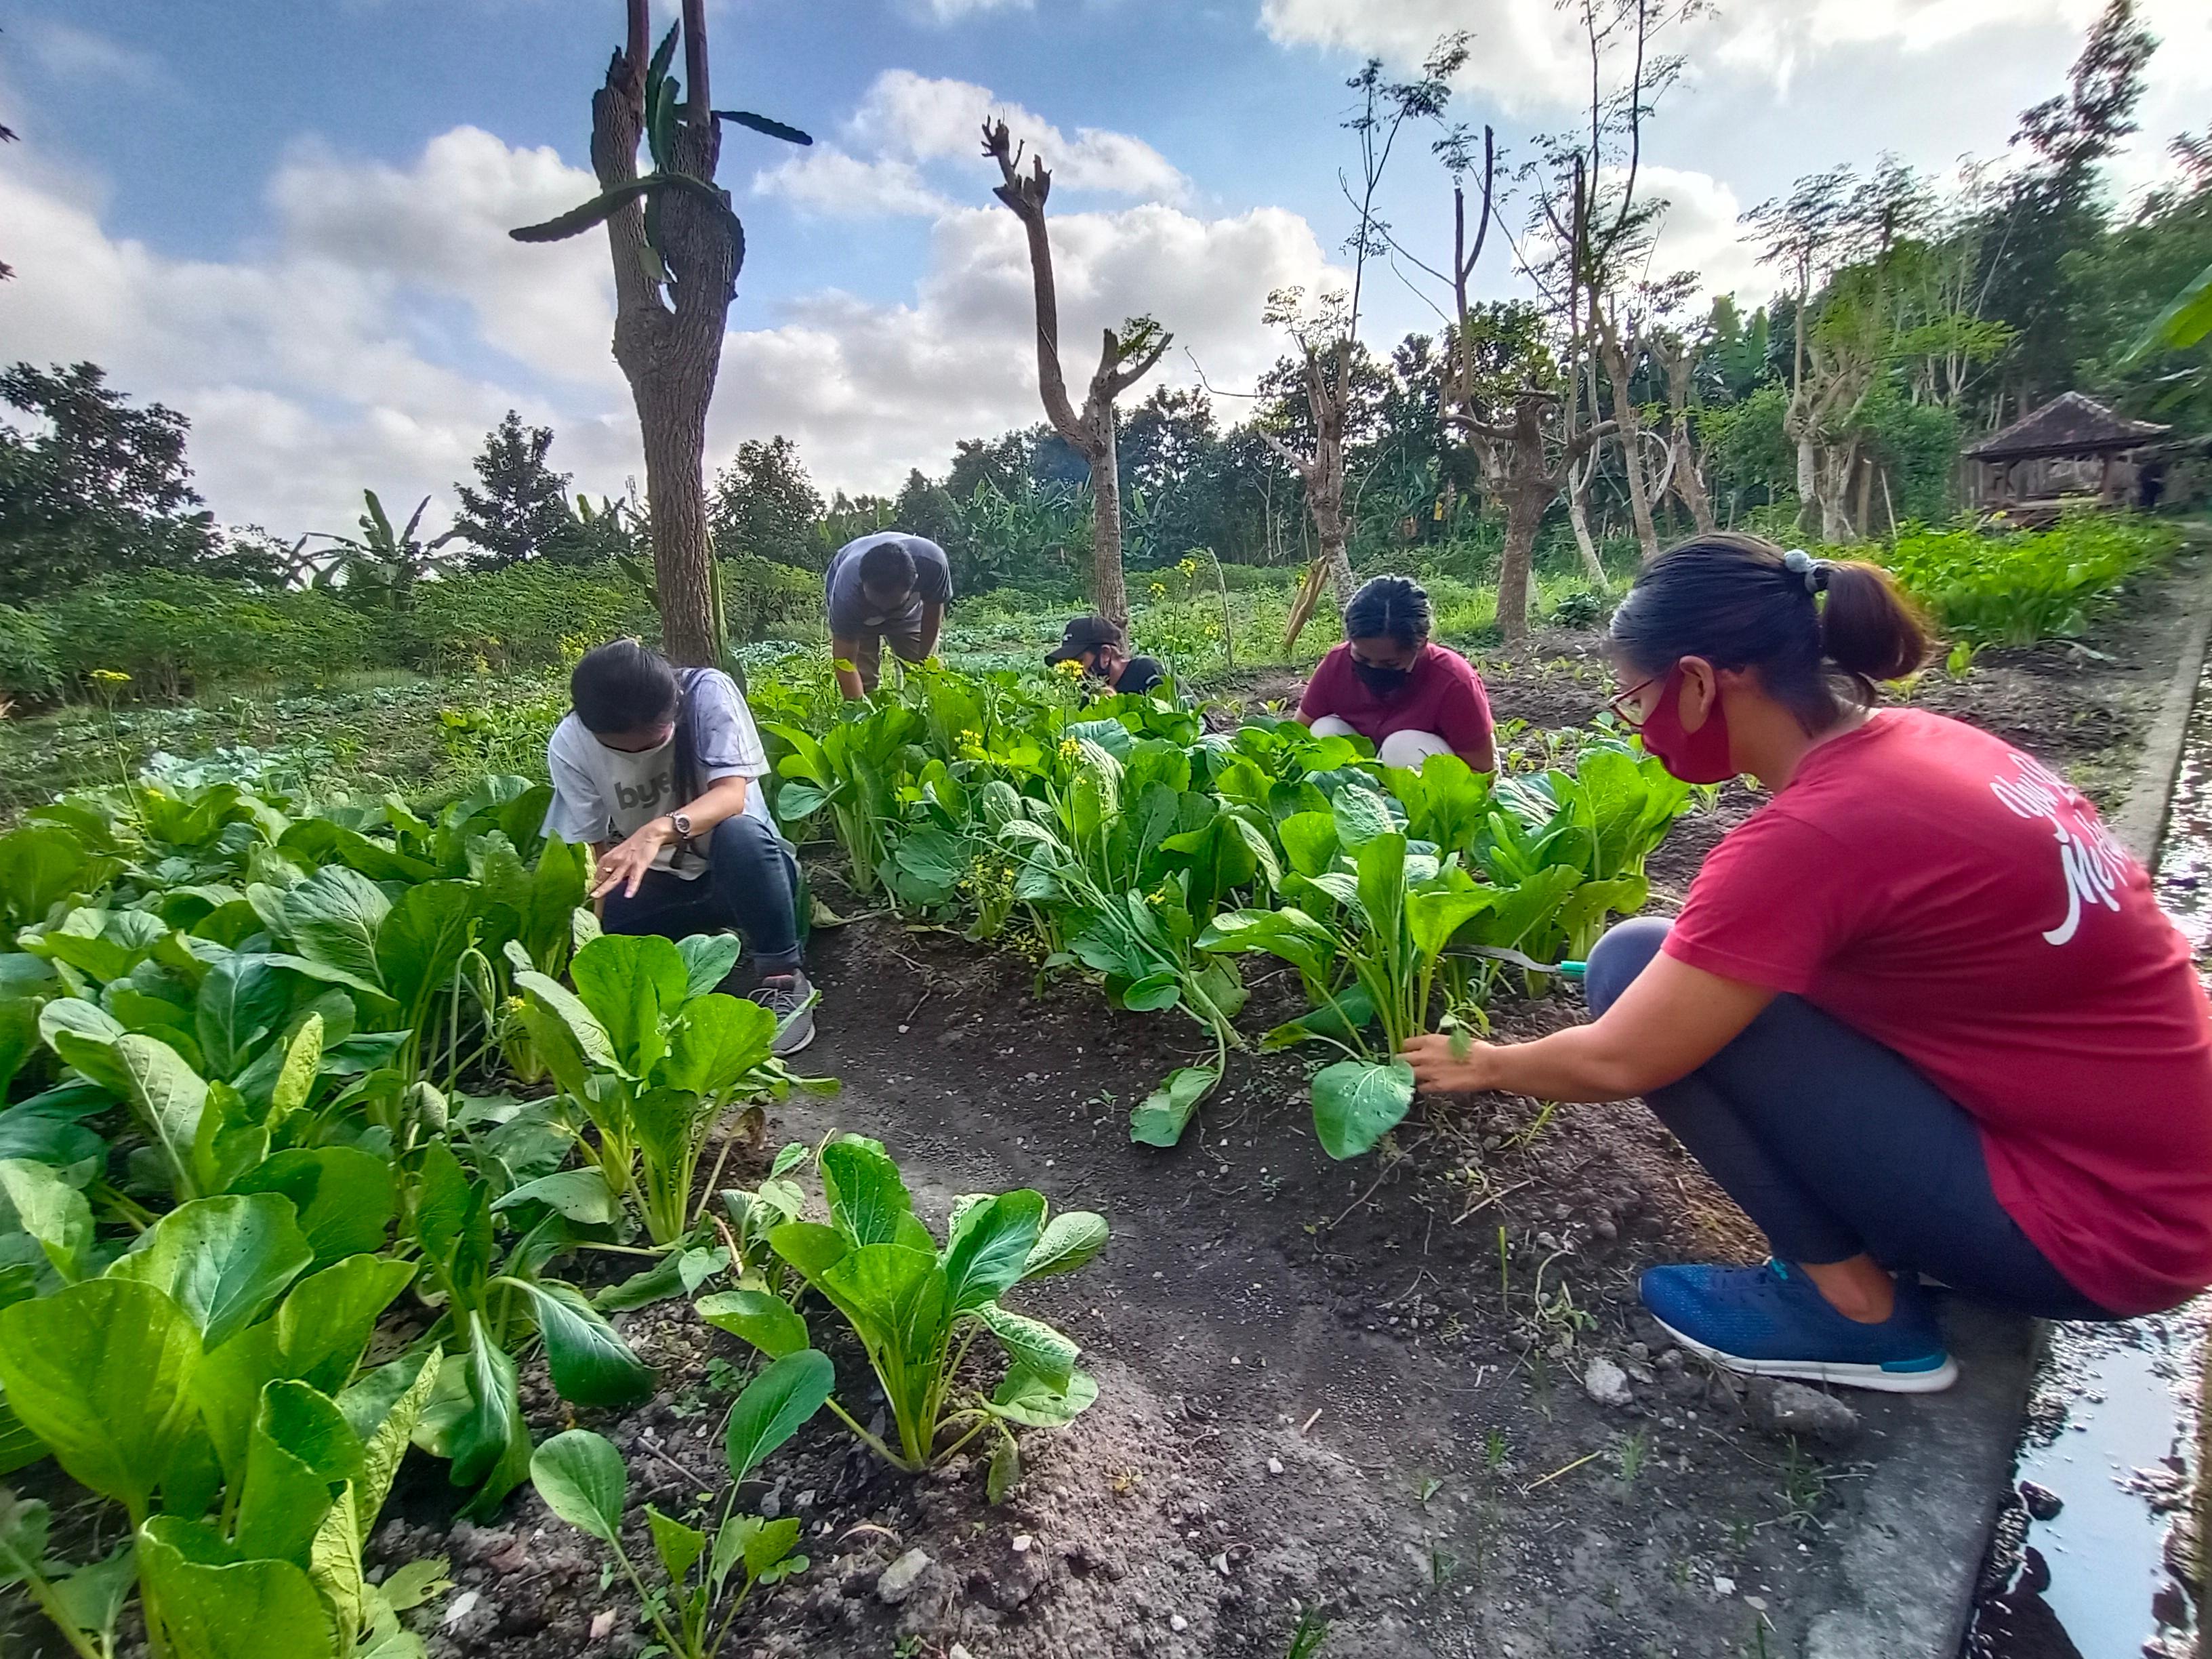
[
  {"x": 751, "y": 884},
  {"x": 1835, "y": 1148}
]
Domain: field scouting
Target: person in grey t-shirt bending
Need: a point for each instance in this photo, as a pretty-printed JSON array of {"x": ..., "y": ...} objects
[
  {"x": 659, "y": 769},
  {"x": 886, "y": 585}
]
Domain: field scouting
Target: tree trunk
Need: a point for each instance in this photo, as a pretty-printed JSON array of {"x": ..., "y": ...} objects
[
  {"x": 1808, "y": 484},
  {"x": 1631, "y": 448},
  {"x": 1834, "y": 467},
  {"x": 1578, "y": 515},
  {"x": 1525, "y": 502},
  {"x": 670, "y": 354},
  {"x": 1109, "y": 591}
]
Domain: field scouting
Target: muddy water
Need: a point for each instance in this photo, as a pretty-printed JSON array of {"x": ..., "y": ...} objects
[{"x": 2112, "y": 1431}]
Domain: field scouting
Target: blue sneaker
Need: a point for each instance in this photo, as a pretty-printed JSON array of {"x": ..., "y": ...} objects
[{"x": 1770, "y": 1322}]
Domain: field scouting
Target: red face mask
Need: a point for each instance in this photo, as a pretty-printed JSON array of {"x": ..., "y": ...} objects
[{"x": 1699, "y": 756}]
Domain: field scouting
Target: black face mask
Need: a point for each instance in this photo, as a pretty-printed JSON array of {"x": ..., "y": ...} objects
[{"x": 1382, "y": 682}]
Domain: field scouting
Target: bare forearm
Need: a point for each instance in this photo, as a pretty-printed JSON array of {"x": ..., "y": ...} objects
[
  {"x": 724, "y": 799},
  {"x": 1579, "y": 1064},
  {"x": 842, "y": 653},
  {"x": 933, "y": 624}
]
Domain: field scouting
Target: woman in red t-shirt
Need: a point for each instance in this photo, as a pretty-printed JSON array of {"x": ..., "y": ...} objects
[
  {"x": 1388, "y": 683},
  {"x": 1919, "y": 1014}
]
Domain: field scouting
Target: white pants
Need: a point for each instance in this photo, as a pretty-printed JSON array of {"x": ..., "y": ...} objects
[{"x": 1401, "y": 749}]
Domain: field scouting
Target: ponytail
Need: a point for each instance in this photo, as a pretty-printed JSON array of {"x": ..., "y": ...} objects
[{"x": 1741, "y": 602}]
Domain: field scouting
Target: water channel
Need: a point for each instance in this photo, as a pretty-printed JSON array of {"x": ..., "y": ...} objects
[{"x": 2095, "y": 1561}]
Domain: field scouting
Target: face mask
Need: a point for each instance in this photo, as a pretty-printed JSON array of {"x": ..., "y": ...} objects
[
  {"x": 1381, "y": 682},
  {"x": 1699, "y": 756}
]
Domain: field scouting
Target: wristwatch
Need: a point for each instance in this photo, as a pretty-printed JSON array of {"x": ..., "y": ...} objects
[{"x": 681, "y": 822}]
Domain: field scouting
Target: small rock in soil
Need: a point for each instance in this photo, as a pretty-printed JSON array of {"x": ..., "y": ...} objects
[
  {"x": 896, "y": 1581},
  {"x": 1608, "y": 1384},
  {"x": 1275, "y": 1465},
  {"x": 1791, "y": 1408},
  {"x": 2042, "y": 1502},
  {"x": 1177, "y": 1623}
]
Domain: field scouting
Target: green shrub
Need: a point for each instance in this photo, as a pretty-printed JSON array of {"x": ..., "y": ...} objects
[
  {"x": 170, "y": 632},
  {"x": 762, "y": 600},
  {"x": 2019, "y": 587},
  {"x": 525, "y": 616},
  {"x": 28, "y": 670}
]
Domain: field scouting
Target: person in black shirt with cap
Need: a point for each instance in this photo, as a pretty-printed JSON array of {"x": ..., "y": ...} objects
[{"x": 1103, "y": 651}]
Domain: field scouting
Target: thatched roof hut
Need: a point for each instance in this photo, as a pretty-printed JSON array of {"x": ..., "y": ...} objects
[{"x": 2073, "y": 449}]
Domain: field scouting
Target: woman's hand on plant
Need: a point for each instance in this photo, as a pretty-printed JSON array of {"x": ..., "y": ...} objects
[
  {"x": 626, "y": 863},
  {"x": 1451, "y": 1064}
]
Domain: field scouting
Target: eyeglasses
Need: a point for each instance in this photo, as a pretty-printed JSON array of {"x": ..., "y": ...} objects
[{"x": 1618, "y": 702}]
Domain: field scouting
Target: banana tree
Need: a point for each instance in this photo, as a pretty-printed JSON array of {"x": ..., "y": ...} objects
[
  {"x": 380, "y": 561},
  {"x": 677, "y": 247}
]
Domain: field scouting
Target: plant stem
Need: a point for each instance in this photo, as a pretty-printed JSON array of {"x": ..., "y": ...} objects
[{"x": 870, "y": 1441}]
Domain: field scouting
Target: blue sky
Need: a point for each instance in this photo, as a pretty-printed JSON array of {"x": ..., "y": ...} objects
[{"x": 286, "y": 217}]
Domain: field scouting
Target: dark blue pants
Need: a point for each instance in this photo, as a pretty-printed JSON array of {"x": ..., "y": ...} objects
[
  {"x": 751, "y": 884},
  {"x": 1837, "y": 1147}
]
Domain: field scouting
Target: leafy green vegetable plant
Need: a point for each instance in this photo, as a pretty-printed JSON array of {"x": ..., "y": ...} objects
[
  {"x": 652, "y": 1056},
  {"x": 580, "y": 1476},
  {"x": 918, "y": 1307}
]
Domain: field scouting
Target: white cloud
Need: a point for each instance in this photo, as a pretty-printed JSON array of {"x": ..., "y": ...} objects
[
  {"x": 870, "y": 390},
  {"x": 1530, "y": 55},
  {"x": 952, "y": 11},
  {"x": 921, "y": 119},
  {"x": 1699, "y": 232},
  {"x": 387, "y": 321},
  {"x": 69, "y": 53},
  {"x": 828, "y": 181}
]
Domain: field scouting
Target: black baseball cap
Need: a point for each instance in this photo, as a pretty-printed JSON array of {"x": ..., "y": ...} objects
[{"x": 1083, "y": 634}]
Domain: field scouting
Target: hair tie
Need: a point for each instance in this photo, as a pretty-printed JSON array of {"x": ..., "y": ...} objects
[{"x": 1812, "y": 571}]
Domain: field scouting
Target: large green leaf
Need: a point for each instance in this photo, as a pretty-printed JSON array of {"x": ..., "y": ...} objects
[
  {"x": 490, "y": 1444},
  {"x": 301, "y": 1450},
  {"x": 580, "y": 1195},
  {"x": 170, "y": 1096},
  {"x": 84, "y": 1035},
  {"x": 868, "y": 1202},
  {"x": 634, "y": 983},
  {"x": 1037, "y": 1402},
  {"x": 225, "y": 1610},
  {"x": 766, "y": 1322},
  {"x": 383, "y": 1408},
  {"x": 342, "y": 1196},
  {"x": 1360, "y": 815},
  {"x": 242, "y": 999},
  {"x": 896, "y": 1296},
  {"x": 102, "y": 1372},
  {"x": 809, "y": 1247},
  {"x": 318, "y": 1336},
  {"x": 775, "y": 1405},
  {"x": 40, "y": 865},
  {"x": 718, "y": 1040},
  {"x": 1032, "y": 1344},
  {"x": 1162, "y": 1116},
  {"x": 708, "y": 960},
  {"x": 334, "y": 917},
  {"x": 224, "y": 1260},
  {"x": 1356, "y": 1103},
  {"x": 52, "y": 1212},
  {"x": 990, "y": 1248},
  {"x": 591, "y": 1364},
  {"x": 1072, "y": 1239},
  {"x": 580, "y": 1476},
  {"x": 422, "y": 942}
]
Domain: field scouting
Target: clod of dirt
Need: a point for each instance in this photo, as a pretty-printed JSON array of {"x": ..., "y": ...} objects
[
  {"x": 1791, "y": 1408},
  {"x": 1608, "y": 1384},
  {"x": 897, "y": 1581},
  {"x": 2042, "y": 1502}
]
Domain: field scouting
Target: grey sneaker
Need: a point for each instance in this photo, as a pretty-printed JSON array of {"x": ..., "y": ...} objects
[{"x": 790, "y": 998}]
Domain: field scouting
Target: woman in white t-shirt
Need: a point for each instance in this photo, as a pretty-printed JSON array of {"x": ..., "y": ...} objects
[{"x": 658, "y": 769}]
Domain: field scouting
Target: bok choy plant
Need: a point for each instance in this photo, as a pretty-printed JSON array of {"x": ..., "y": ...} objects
[{"x": 918, "y": 1307}]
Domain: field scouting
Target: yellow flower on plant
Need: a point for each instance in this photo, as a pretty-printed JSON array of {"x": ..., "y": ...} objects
[
  {"x": 1070, "y": 749},
  {"x": 110, "y": 677},
  {"x": 1068, "y": 669}
]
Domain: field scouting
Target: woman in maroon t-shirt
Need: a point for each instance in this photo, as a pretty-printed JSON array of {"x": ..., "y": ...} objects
[
  {"x": 1919, "y": 1014},
  {"x": 1388, "y": 683}
]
